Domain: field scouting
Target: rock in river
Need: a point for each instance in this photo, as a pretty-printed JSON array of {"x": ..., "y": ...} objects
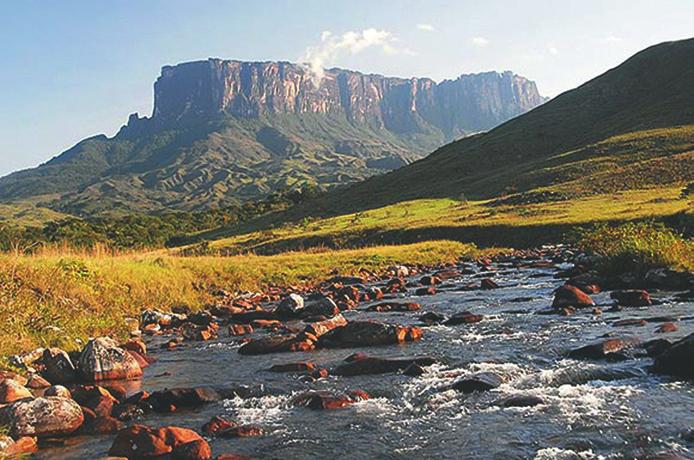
[
  {"x": 678, "y": 360},
  {"x": 40, "y": 417},
  {"x": 369, "y": 333},
  {"x": 632, "y": 298},
  {"x": 372, "y": 365},
  {"x": 608, "y": 348},
  {"x": 140, "y": 442},
  {"x": 317, "y": 400},
  {"x": 483, "y": 381},
  {"x": 102, "y": 359},
  {"x": 571, "y": 296},
  {"x": 11, "y": 391}
]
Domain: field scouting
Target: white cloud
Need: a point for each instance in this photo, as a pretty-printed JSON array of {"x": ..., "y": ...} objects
[
  {"x": 479, "y": 41},
  {"x": 426, "y": 27},
  {"x": 553, "y": 50},
  {"x": 330, "y": 46}
]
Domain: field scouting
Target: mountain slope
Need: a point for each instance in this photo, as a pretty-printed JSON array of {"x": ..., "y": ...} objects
[
  {"x": 227, "y": 131},
  {"x": 628, "y": 128}
]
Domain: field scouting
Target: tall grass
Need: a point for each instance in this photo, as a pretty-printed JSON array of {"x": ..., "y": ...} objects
[
  {"x": 638, "y": 247},
  {"x": 62, "y": 299}
]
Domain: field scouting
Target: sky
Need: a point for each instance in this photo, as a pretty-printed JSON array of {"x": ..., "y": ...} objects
[{"x": 73, "y": 69}]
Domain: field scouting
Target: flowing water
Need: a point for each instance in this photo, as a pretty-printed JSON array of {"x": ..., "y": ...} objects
[{"x": 591, "y": 409}]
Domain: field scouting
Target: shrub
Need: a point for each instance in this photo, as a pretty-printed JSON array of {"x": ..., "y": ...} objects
[{"x": 638, "y": 247}]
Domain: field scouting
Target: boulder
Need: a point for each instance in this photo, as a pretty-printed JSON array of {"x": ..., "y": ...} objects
[
  {"x": 371, "y": 365},
  {"x": 571, "y": 296},
  {"x": 667, "y": 327},
  {"x": 102, "y": 359},
  {"x": 432, "y": 318},
  {"x": 369, "y": 333},
  {"x": 483, "y": 381},
  {"x": 103, "y": 425},
  {"x": 300, "y": 367},
  {"x": 320, "y": 328},
  {"x": 318, "y": 400},
  {"x": 291, "y": 306},
  {"x": 277, "y": 344},
  {"x": 425, "y": 291},
  {"x": 521, "y": 401},
  {"x": 141, "y": 442},
  {"x": 429, "y": 280},
  {"x": 487, "y": 283},
  {"x": 49, "y": 416},
  {"x": 322, "y": 306},
  {"x": 58, "y": 367},
  {"x": 162, "y": 401},
  {"x": 58, "y": 390},
  {"x": 36, "y": 382},
  {"x": 678, "y": 360},
  {"x": 242, "y": 431},
  {"x": 240, "y": 329},
  {"x": 136, "y": 345},
  {"x": 19, "y": 449},
  {"x": 632, "y": 298},
  {"x": 463, "y": 317},
  {"x": 94, "y": 397},
  {"x": 216, "y": 425},
  {"x": 395, "y": 306},
  {"x": 11, "y": 391},
  {"x": 603, "y": 349}
]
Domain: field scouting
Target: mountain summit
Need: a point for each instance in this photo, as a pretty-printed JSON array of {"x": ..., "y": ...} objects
[{"x": 223, "y": 131}]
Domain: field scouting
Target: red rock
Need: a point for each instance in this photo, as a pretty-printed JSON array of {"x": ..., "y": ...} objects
[
  {"x": 630, "y": 322},
  {"x": 139, "y": 441},
  {"x": 322, "y": 327},
  {"x": 369, "y": 333},
  {"x": 320, "y": 373},
  {"x": 58, "y": 390},
  {"x": 104, "y": 425},
  {"x": 667, "y": 327},
  {"x": 216, "y": 425},
  {"x": 276, "y": 344},
  {"x": 571, "y": 296},
  {"x": 95, "y": 398},
  {"x": 425, "y": 291},
  {"x": 18, "y": 449},
  {"x": 233, "y": 457},
  {"x": 395, "y": 306},
  {"x": 243, "y": 431},
  {"x": 632, "y": 298},
  {"x": 429, "y": 280},
  {"x": 11, "y": 391},
  {"x": 240, "y": 329},
  {"x": 136, "y": 345},
  {"x": 603, "y": 349},
  {"x": 487, "y": 283},
  {"x": 265, "y": 323},
  {"x": 141, "y": 361},
  {"x": 464, "y": 317},
  {"x": 302, "y": 366},
  {"x": 317, "y": 400},
  {"x": 36, "y": 382}
]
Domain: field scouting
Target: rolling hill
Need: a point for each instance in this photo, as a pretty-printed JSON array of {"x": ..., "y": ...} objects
[{"x": 630, "y": 128}]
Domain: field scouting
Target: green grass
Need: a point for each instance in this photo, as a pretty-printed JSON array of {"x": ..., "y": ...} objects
[
  {"x": 638, "y": 247},
  {"x": 62, "y": 299},
  {"x": 482, "y": 222},
  {"x": 27, "y": 215}
]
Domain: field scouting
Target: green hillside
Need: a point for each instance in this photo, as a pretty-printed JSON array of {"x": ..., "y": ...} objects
[{"x": 632, "y": 127}]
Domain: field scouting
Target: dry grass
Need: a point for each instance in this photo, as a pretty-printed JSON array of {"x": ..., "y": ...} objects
[{"x": 61, "y": 299}]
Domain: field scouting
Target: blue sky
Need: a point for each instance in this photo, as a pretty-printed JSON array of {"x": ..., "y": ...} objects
[{"x": 72, "y": 69}]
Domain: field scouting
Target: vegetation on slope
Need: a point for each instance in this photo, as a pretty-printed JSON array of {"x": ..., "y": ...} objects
[
  {"x": 637, "y": 248},
  {"x": 62, "y": 299},
  {"x": 636, "y": 117}
]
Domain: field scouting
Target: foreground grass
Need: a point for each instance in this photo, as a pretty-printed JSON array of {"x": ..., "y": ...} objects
[
  {"x": 61, "y": 300},
  {"x": 457, "y": 219}
]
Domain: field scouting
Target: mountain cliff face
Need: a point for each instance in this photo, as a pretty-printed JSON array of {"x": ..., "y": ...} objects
[
  {"x": 203, "y": 89},
  {"x": 227, "y": 131}
]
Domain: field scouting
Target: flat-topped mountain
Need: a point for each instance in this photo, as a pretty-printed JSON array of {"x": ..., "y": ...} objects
[{"x": 226, "y": 131}]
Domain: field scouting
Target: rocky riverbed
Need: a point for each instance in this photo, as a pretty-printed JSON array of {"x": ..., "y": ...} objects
[{"x": 525, "y": 356}]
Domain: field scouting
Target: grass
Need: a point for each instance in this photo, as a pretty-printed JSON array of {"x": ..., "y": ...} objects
[
  {"x": 62, "y": 299},
  {"x": 638, "y": 247},
  {"x": 483, "y": 222}
]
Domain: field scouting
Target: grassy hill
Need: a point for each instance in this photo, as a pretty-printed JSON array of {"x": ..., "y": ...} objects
[{"x": 632, "y": 127}]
